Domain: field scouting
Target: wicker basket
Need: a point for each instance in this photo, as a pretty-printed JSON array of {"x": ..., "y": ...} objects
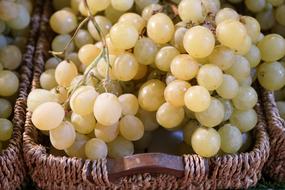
[
  {"x": 12, "y": 165},
  {"x": 141, "y": 171},
  {"x": 275, "y": 167}
]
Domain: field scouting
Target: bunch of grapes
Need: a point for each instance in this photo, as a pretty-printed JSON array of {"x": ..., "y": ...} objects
[
  {"x": 144, "y": 75},
  {"x": 14, "y": 30}
]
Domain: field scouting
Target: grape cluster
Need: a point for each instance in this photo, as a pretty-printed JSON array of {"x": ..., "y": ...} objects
[
  {"x": 14, "y": 30},
  {"x": 142, "y": 75}
]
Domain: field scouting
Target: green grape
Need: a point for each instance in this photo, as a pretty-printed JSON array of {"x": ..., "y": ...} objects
[
  {"x": 112, "y": 14},
  {"x": 8, "y": 10},
  {"x": 231, "y": 138},
  {"x": 271, "y": 75},
  {"x": 226, "y": 14},
  {"x": 229, "y": 87},
  {"x": 191, "y": 10},
  {"x": 129, "y": 103},
  {"x": 210, "y": 76},
  {"x": 104, "y": 24},
  {"x": 96, "y": 149},
  {"x": 38, "y": 97},
  {"x": 244, "y": 120},
  {"x": 189, "y": 129},
  {"x": 197, "y": 99},
  {"x": 177, "y": 40},
  {"x": 132, "y": 18},
  {"x": 252, "y": 26},
  {"x": 281, "y": 108},
  {"x": 5, "y": 108},
  {"x": 61, "y": 94},
  {"x": 206, "y": 142},
  {"x": 266, "y": 19},
  {"x": 175, "y": 91},
  {"x": 131, "y": 127},
  {"x": 240, "y": 70},
  {"x": 122, "y": 5},
  {"x": 47, "y": 79},
  {"x": 223, "y": 57},
  {"x": 255, "y": 5},
  {"x": 245, "y": 99},
  {"x": 228, "y": 108},
  {"x": 88, "y": 53},
  {"x": 120, "y": 147},
  {"x": 22, "y": 20},
  {"x": 63, "y": 21},
  {"x": 63, "y": 136},
  {"x": 148, "y": 11},
  {"x": 52, "y": 63},
  {"x": 272, "y": 47},
  {"x": 148, "y": 119},
  {"x": 125, "y": 67},
  {"x": 141, "y": 4},
  {"x": 145, "y": 51},
  {"x": 279, "y": 15},
  {"x": 98, "y": 5},
  {"x": 59, "y": 42},
  {"x": 276, "y": 2},
  {"x": 9, "y": 83},
  {"x": 65, "y": 72},
  {"x": 212, "y": 116},
  {"x": 106, "y": 133},
  {"x": 82, "y": 38},
  {"x": 48, "y": 116},
  {"x": 77, "y": 148},
  {"x": 83, "y": 124},
  {"x": 6, "y": 129},
  {"x": 10, "y": 57},
  {"x": 169, "y": 116},
  {"x": 164, "y": 57},
  {"x": 253, "y": 56}
]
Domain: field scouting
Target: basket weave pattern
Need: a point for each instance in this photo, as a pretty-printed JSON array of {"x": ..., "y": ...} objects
[
  {"x": 12, "y": 165},
  {"x": 54, "y": 172}
]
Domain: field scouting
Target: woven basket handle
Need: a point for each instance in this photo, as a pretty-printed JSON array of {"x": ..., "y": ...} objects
[{"x": 145, "y": 163}]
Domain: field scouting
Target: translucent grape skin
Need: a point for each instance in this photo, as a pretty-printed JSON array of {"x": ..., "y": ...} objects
[
  {"x": 231, "y": 138},
  {"x": 134, "y": 19},
  {"x": 131, "y": 128},
  {"x": 47, "y": 79},
  {"x": 22, "y": 20},
  {"x": 83, "y": 124},
  {"x": 164, "y": 57},
  {"x": 225, "y": 14},
  {"x": 82, "y": 38},
  {"x": 240, "y": 70},
  {"x": 229, "y": 87},
  {"x": 106, "y": 133},
  {"x": 96, "y": 149},
  {"x": 6, "y": 129},
  {"x": 148, "y": 119},
  {"x": 210, "y": 76},
  {"x": 175, "y": 91},
  {"x": 189, "y": 129},
  {"x": 63, "y": 22},
  {"x": 206, "y": 142},
  {"x": 120, "y": 147},
  {"x": 77, "y": 148},
  {"x": 129, "y": 103},
  {"x": 59, "y": 42},
  {"x": 104, "y": 24},
  {"x": 48, "y": 116},
  {"x": 5, "y": 108},
  {"x": 145, "y": 51},
  {"x": 9, "y": 83},
  {"x": 197, "y": 99},
  {"x": 191, "y": 10},
  {"x": 245, "y": 99},
  {"x": 10, "y": 57},
  {"x": 125, "y": 67},
  {"x": 88, "y": 53},
  {"x": 222, "y": 56},
  {"x": 38, "y": 97},
  {"x": 65, "y": 72},
  {"x": 244, "y": 120}
]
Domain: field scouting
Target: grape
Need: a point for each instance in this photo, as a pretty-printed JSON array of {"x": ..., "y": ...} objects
[
  {"x": 134, "y": 19},
  {"x": 77, "y": 148},
  {"x": 145, "y": 51},
  {"x": 60, "y": 41},
  {"x": 229, "y": 87},
  {"x": 103, "y": 66},
  {"x": 247, "y": 142},
  {"x": 244, "y": 120},
  {"x": 103, "y": 22},
  {"x": 83, "y": 124},
  {"x": 149, "y": 10},
  {"x": 206, "y": 142},
  {"x": 9, "y": 83},
  {"x": 120, "y": 147},
  {"x": 60, "y": 4},
  {"x": 231, "y": 138},
  {"x": 142, "y": 71},
  {"x": 223, "y": 57},
  {"x": 151, "y": 95},
  {"x": 96, "y": 149},
  {"x": 129, "y": 104},
  {"x": 252, "y": 26},
  {"x": 124, "y": 35},
  {"x": 210, "y": 76},
  {"x": 148, "y": 119},
  {"x": 143, "y": 142},
  {"x": 63, "y": 21},
  {"x": 212, "y": 6},
  {"x": 22, "y": 20},
  {"x": 191, "y": 10},
  {"x": 73, "y": 58},
  {"x": 178, "y": 37},
  {"x": 279, "y": 15},
  {"x": 47, "y": 79},
  {"x": 271, "y": 75},
  {"x": 61, "y": 94},
  {"x": 52, "y": 63},
  {"x": 226, "y": 14},
  {"x": 88, "y": 53},
  {"x": 141, "y": 4},
  {"x": 122, "y": 5},
  {"x": 131, "y": 128},
  {"x": 228, "y": 108},
  {"x": 65, "y": 72},
  {"x": 10, "y": 57},
  {"x": 125, "y": 67},
  {"x": 225, "y": 31},
  {"x": 113, "y": 14},
  {"x": 169, "y": 116},
  {"x": 8, "y": 10},
  {"x": 63, "y": 136},
  {"x": 6, "y": 129},
  {"x": 272, "y": 47},
  {"x": 240, "y": 70},
  {"x": 82, "y": 100},
  {"x": 281, "y": 108},
  {"x": 48, "y": 116},
  {"x": 276, "y": 2},
  {"x": 245, "y": 99},
  {"x": 106, "y": 133},
  {"x": 255, "y": 5},
  {"x": 164, "y": 57},
  {"x": 253, "y": 56},
  {"x": 5, "y": 108},
  {"x": 107, "y": 109},
  {"x": 197, "y": 99},
  {"x": 189, "y": 129},
  {"x": 194, "y": 37},
  {"x": 38, "y": 97},
  {"x": 183, "y": 67},
  {"x": 175, "y": 91},
  {"x": 82, "y": 38},
  {"x": 98, "y": 5},
  {"x": 212, "y": 116},
  {"x": 266, "y": 19},
  {"x": 160, "y": 28}
]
